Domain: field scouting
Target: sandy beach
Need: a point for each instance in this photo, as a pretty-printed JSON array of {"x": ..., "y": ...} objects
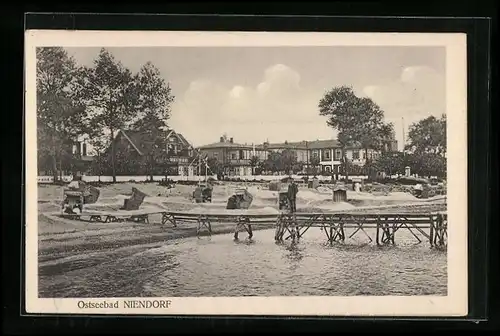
[{"x": 61, "y": 238}]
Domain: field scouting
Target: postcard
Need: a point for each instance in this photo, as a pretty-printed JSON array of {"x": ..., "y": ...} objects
[{"x": 246, "y": 173}]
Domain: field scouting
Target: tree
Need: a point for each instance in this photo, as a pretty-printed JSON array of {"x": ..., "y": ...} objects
[
  {"x": 428, "y": 136},
  {"x": 60, "y": 115},
  {"x": 155, "y": 97},
  {"x": 154, "y": 105},
  {"x": 359, "y": 121},
  {"x": 314, "y": 162},
  {"x": 111, "y": 94},
  {"x": 341, "y": 106},
  {"x": 214, "y": 165},
  {"x": 390, "y": 163},
  {"x": 273, "y": 163},
  {"x": 157, "y": 156},
  {"x": 254, "y": 162},
  {"x": 288, "y": 160},
  {"x": 429, "y": 164},
  {"x": 99, "y": 143},
  {"x": 370, "y": 123}
]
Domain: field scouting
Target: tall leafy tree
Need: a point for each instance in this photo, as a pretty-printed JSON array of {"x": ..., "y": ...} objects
[
  {"x": 254, "y": 162},
  {"x": 314, "y": 162},
  {"x": 428, "y": 136},
  {"x": 60, "y": 115},
  {"x": 99, "y": 144},
  {"x": 273, "y": 162},
  {"x": 390, "y": 163},
  {"x": 154, "y": 99},
  {"x": 288, "y": 160},
  {"x": 154, "y": 104},
  {"x": 215, "y": 166},
  {"x": 359, "y": 121},
  {"x": 111, "y": 95},
  {"x": 342, "y": 107}
]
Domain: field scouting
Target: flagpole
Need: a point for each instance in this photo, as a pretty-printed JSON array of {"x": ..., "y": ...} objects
[{"x": 403, "y": 129}]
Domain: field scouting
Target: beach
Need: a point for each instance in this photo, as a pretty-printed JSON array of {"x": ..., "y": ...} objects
[{"x": 60, "y": 238}]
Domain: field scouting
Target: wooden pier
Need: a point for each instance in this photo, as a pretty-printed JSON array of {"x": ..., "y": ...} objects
[{"x": 432, "y": 226}]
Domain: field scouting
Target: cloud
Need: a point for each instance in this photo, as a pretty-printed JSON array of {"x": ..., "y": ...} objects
[
  {"x": 419, "y": 92},
  {"x": 278, "y": 108},
  {"x": 275, "y": 109}
]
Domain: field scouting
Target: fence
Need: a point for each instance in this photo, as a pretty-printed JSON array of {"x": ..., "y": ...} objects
[{"x": 144, "y": 178}]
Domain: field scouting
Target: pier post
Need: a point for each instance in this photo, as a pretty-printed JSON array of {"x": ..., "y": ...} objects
[
  {"x": 387, "y": 235},
  {"x": 281, "y": 226},
  {"x": 166, "y": 217},
  {"x": 242, "y": 221},
  {"x": 440, "y": 231},
  {"x": 204, "y": 221},
  {"x": 431, "y": 230},
  {"x": 379, "y": 224}
]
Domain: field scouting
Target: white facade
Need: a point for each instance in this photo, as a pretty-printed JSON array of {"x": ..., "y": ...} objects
[
  {"x": 358, "y": 156},
  {"x": 330, "y": 159}
]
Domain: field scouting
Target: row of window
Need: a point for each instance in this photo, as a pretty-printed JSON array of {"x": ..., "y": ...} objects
[
  {"x": 356, "y": 155},
  {"x": 326, "y": 155}
]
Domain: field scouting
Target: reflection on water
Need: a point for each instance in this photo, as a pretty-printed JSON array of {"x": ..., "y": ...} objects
[{"x": 221, "y": 266}]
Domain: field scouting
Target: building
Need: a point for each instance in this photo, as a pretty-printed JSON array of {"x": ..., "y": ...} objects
[
  {"x": 235, "y": 158},
  {"x": 329, "y": 153},
  {"x": 358, "y": 156},
  {"x": 319, "y": 156},
  {"x": 72, "y": 159},
  {"x": 135, "y": 154}
]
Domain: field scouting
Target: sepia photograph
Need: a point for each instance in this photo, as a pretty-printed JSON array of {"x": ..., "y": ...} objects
[{"x": 246, "y": 173}]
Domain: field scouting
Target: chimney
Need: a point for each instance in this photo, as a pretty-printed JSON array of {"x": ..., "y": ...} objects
[
  {"x": 221, "y": 139},
  {"x": 84, "y": 149},
  {"x": 231, "y": 140}
]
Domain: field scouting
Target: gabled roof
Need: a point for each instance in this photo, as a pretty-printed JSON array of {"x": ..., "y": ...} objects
[
  {"x": 142, "y": 141},
  {"x": 179, "y": 136},
  {"x": 132, "y": 137}
]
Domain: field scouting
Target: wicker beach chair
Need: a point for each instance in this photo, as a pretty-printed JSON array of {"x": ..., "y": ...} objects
[{"x": 135, "y": 201}]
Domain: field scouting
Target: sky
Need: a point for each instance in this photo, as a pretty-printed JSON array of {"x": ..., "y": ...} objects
[{"x": 257, "y": 94}]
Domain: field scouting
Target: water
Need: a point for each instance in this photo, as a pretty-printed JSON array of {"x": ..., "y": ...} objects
[{"x": 218, "y": 266}]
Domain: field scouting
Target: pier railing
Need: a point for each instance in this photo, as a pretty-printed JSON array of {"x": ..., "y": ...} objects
[{"x": 432, "y": 226}]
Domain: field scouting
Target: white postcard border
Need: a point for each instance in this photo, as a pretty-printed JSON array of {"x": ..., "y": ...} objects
[{"x": 454, "y": 304}]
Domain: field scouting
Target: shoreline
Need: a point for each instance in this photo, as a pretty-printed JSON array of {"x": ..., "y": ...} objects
[
  {"x": 64, "y": 244},
  {"x": 65, "y": 252}
]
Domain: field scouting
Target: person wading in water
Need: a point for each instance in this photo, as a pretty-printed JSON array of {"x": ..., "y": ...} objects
[{"x": 293, "y": 189}]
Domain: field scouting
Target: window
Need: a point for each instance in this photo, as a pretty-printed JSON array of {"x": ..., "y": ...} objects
[
  {"x": 216, "y": 155},
  {"x": 326, "y": 154},
  {"x": 338, "y": 154},
  {"x": 328, "y": 169},
  {"x": 233, "y": 156},
  {"x": 355, "y": 155}
]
